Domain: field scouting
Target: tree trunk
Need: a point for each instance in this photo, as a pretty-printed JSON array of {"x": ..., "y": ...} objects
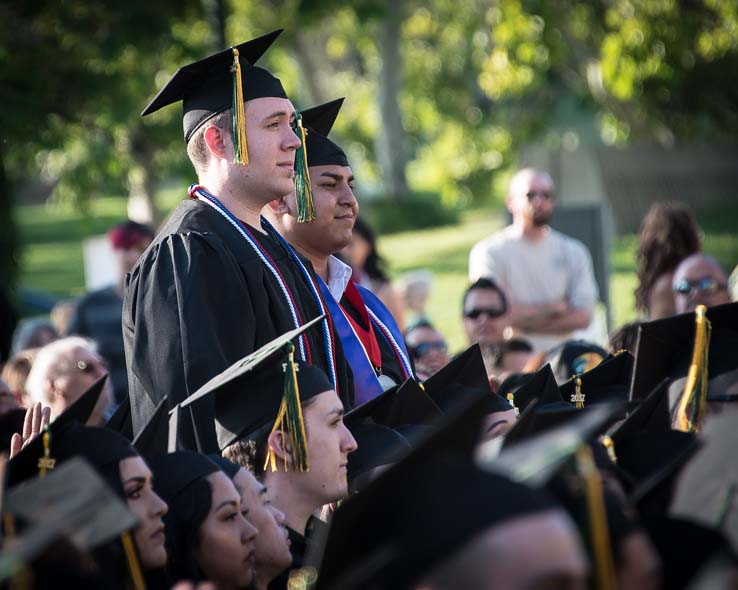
[
  {"x": 308, "y": 56},
  {"x": 141, "y": 189},
  {"x": 215, "y": 14},
  {"x": 391, "y": 141}
]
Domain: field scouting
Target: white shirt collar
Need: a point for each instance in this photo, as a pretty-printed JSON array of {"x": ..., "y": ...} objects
[{"x": 339, "y": 275}]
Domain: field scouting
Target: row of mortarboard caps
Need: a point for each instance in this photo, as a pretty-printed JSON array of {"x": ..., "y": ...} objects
[{"x": 429, "y": 433}]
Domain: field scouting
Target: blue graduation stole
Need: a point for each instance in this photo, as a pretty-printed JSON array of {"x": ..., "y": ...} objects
[{"x": 366, "y": 382}]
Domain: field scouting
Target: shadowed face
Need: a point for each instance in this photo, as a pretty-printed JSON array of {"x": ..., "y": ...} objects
[
  {"x": 698, "y": 280},
  {"x": 485, "y": 316},
  {"x": 531, "y": 199}
]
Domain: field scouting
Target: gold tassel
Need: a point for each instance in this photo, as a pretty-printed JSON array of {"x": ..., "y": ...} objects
[
  {"x": 577, "y": 397},
  {"x": 290, "y": 420},
  {"x": 609, "y": 444},
  {"x": 303, "y": 187},
  {"x": 597, "y": 517},
  {"x": 134, "y": 567},
  {"x": 46, "y": 462},
  {"x": 240, "y": 149},
  {"x": 693, "y": 401},
  {"x": 511, "y": 399}
]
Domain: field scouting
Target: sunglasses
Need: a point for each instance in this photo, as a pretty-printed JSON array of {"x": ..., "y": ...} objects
[
  {"x": 424, "y": 348},
  {"x": 543, "y": 194},
  {"x": 706, "y": 285},
  {"x": 490, "y": 312}
]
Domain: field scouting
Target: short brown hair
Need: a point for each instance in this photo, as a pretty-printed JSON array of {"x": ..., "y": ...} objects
[
  {"x": 249, "y": 454},
  {"x": 197, "y": 149}
]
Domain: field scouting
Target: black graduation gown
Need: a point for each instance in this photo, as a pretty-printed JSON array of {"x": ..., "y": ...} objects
[
  {"x": 198, "y": 300},
  {"x": 299, "y": 545}
]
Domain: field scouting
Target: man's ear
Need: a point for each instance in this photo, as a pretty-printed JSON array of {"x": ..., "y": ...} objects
[
  {"x": 215, "y": 140},
  {"x": 279, "y": 206},
  {"x": 279, "y": 444}
]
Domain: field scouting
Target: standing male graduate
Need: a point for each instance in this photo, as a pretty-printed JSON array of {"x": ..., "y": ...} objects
[
  {"x": 370, "y": 336},
  {"x": 217, "y": 283}
]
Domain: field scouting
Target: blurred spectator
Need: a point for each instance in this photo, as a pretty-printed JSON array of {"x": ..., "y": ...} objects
[
  {"x": 699, "y": 280},
  {"x": 415, "y": 288},
  {"x": 60, "y": 315},
  {"x": 8, "y": 322},
  {"x": 369, "y": 269},
  {"x": 62, "y": 371},
  {"x": 668, "y": 235},
  {"x": 33, "y": 333},
  {"x": 98, "y": 314},
  {"x": 15, "y": 372},
  {"x": 427, "y": 348},
  {"x": 485, "y": 312},
  {"x": 624, "y": 338},
  {"x": 547, "y": 276},
  {"x": 507, "y": 357},
  {"x": 574, "y": 357},
  {"x": 7, "y": 399}
]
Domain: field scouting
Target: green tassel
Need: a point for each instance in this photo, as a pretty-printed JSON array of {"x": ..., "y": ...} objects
[{"x": 303, "y": 189}]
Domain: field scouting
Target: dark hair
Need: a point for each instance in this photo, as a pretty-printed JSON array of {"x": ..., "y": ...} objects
[
  {"x": 484, "y": 283},
  {"x": 374, "y": 266},
  {"x": 624, "y": 338},
  {"x": 509, "y": 346},
  {"x": 187, "y": 512},
  {"x": 668, "y": 234},
  {"x": 419, "y": 324}
]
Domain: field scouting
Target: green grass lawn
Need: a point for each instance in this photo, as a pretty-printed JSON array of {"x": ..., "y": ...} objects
[{"x": 52, "y": 237}]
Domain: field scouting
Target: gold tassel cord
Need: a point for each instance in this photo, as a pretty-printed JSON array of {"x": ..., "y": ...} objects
[
  {"x": 134, "y": 567},
  {"x": 240, "y": 147},
  {"x": 693, "y": 401},
  {"x": 511, "y": 399},
  {"x": 46, "y": 462},
  {"x": 303, "y": 187},
  {"x": 290, "y": 420},
  {"x": 597, "y": 520},
  {"x": 577, "y": 397}
]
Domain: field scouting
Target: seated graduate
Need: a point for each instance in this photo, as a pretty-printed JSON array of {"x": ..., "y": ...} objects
[
  {"x": 208, "y": 537},
  {"x": 121, "y": 467},
  {"x": 290, "y": 414},
  {"x": 272, "y": 547}
]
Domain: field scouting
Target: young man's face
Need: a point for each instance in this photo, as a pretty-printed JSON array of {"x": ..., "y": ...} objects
[
  {"x": 336, "y": 209},
  {"x": 485, "y": 316},
  {"x": 271, "y": 144},
  {"x": 532, "y": 200},
  {"x": 329, "y": 443}
]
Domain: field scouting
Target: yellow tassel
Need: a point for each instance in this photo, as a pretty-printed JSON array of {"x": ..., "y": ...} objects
[
  {"x": 693, "y": 401},
  {"x": 134, "y": 567},
  {"x": 290, "y": 420},
  {"x": 511, "y": 399},
  {"x": 609, "y": 444},
  {"x": 46, "y": 462},
  {"x": 240, "y": 149},
  {"x": 598, "y": 529},
  {"x": 577, "y": 397},
  {"x": 303, "y": 187}
]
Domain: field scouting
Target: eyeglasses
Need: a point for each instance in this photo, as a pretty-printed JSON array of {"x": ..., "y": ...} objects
[
  {"x": 543, "y": 194},
  {"x": 424, "y": 348},
  {"x": 704, "y": 285},
  {"x": 490, "y": 312}
]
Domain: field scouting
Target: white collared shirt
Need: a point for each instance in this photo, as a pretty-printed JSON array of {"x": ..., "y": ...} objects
[{"x": 339, "y": 275}]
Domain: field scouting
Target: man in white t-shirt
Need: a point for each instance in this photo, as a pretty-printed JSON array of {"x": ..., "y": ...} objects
[{"x": 547, "y": 276}]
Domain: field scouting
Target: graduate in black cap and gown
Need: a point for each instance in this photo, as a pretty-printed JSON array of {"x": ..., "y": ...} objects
[{"x": 216, "y": 283}]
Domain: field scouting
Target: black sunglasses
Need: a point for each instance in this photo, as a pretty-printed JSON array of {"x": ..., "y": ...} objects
[
  {"x": 424, "y": 348},
  {"x": 543, "y": 194},
  {"x": 490, "y": 312},
  {"x": 705, "y": 285}
]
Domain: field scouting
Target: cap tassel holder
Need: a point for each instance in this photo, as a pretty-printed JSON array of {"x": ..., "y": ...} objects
[
  {"x": 511, "y": 399},
  {"x": 578, "y": 397},
  {"x": 134, "y": 567},
  {"x": 597, "y": 517},
  {"x": 47, "y": 462},
  {"x": 303, "y": 188},
  {"x": 290, "y": 420},
  {"x": 693, "y": 401},
  {"x": 240, "y": 149}
]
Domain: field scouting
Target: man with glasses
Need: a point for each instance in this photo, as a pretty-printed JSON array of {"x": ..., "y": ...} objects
[
  {"x": 699, "y": 280},
  {"x": 427, "y": 348},
  {"x": 547, "y": 276},
  {"x": 485, "y": 313}
]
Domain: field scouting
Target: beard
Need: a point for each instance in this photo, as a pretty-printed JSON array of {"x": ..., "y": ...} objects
[{"x": 542, "y": 218}]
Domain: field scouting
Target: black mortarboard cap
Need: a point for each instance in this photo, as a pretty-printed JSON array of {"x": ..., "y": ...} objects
[
  {"x": 81, "y": 409},
  {"x": 540, "y": 385},
  {"x": 77, "y": 496},
  {"x": 10, "y": 423},
  {"x": 652, "y": 459},
  {"x": 574, "y": 357},
  {"x": 376, "y": 445},
  {"x": 651, "y": 415},
  {"x": 609, "y": 381},
  {"x": 228, "y": 467},
  {"x": 708, "y": 485},
  {"x": 248, "y": 394},
  {"x": 153, "y": 438},
  {"x": 174, "y": 472},
  {"x": 664, "y": 349},
  {"x": 121, "y": 420},
  {"x": 318, "y": 121},
  {"x": 512, "y": 383},
  {"x": 205, "y": 87}
]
